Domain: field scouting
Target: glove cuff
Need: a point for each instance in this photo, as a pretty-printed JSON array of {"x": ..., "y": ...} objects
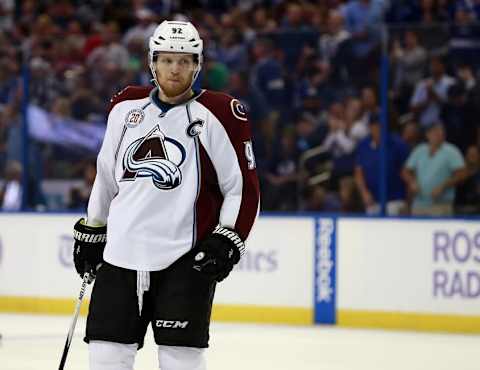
[{"x": 232, "y": 236}]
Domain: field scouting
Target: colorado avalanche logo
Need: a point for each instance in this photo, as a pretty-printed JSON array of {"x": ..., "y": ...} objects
[
  {"x": 155, "y": 156},
  {"x": 238, "y": 110}
]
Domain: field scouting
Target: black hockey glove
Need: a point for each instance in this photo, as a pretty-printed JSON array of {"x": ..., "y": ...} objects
[
  {"x": 218, "y": 253},
  {"x": 88, "y": 247}
]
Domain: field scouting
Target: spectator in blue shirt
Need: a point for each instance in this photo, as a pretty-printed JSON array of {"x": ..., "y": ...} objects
[
  {"x": 362, "y": 19},
  {"x": 367, "y": 170},
  {"x": 266, "y": 76},
  {"x": 431, "y": 173}
]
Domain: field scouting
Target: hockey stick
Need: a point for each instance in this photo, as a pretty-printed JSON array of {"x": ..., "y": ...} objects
[{"x": 86, "y": 278}]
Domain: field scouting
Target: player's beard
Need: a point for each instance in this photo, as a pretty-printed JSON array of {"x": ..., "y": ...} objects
[{"x": 176, "y": 89}]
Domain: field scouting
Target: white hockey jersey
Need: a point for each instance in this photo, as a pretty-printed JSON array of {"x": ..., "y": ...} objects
[{"x": 167, "y": 175}]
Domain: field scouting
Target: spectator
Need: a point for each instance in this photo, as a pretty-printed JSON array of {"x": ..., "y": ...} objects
[
  {"x": 428, "y": 12},
  {"x": 262, "y": 21},
  {"x": 350, "y": 198},
  {"x": 367, "y": 170},
  {"x": 340, "y": 145},
  {"x": 431, "y": 93},
  {"x": 410, "y": 62},
  {"x": 464, "y": 35},
  {"x": 466, "y": 75},
  {"x": 460, "y": 117},
  {"x": 216, "y": 75},
  {"x": 369, "y": 103},
  {"x": 313, "y": 91},
  {"x": 467, "y": 195},
  {"x": 79, "y": 195},
  {"x": 317, "y": 198},
  {"x": 266, "y": 76},
  {"x": 309, "y": 133},
  {"x": 294, "y": 18},
  {"x": 294, "y": 34},
  {"x": 336, "y": 36},
  {"x": 232, "y": 52},
  {"x": 111, "y": 52},
  {"x": 7, "y": 10},
  {"x": 44, "y": 86},
  {"x": 282, "y": 176},
  {"x": 11, "y": 192},
  {"x": 356, "y": 125},
  {"x": 431, "y": 173},
  {"x": 411, "y": 134},
  {"x": 9, "y": 81},
  {"x": 362, "y": 19},
  {"x": 144, "y": 28},
  {"x": 333, "y": 48}
]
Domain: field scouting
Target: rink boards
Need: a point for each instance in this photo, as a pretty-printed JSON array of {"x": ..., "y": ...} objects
[{"x": 421, "y": 274}]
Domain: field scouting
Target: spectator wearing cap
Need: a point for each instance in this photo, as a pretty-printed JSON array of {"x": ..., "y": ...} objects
[
  {"x": 367, "y": 170},
  {"x": 431, "y": 173}
]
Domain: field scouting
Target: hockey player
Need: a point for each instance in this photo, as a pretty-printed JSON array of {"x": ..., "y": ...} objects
[{"x": 175, "y": 197}]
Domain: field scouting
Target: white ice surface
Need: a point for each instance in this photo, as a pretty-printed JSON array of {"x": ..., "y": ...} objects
[{"x": 36, "y": 343}]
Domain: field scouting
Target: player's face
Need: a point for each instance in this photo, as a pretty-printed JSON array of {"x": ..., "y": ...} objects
[{"x": 174, "y": 72}]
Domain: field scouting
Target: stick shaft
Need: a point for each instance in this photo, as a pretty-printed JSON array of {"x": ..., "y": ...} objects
[{"x": 86, "y": 277}]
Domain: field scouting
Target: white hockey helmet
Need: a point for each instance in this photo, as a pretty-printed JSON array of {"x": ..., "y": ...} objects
[{"x": 175, "y": 37}]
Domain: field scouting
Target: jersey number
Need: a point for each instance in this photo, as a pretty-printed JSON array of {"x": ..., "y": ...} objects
[
  {"x": 249, "y": 155},
  {"x": 150, "y": 148}
]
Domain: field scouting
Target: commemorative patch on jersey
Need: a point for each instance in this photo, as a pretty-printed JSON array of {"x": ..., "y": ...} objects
[
  {"x": 134, "y": 117},
  {"x": 238, "y": 110}
]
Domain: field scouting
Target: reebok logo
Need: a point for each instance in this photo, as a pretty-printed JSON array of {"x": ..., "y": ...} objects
[{"x": 171, "y": 324}]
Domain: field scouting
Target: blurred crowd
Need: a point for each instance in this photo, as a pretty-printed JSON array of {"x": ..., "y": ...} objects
[{"x": 310, "y": 74}]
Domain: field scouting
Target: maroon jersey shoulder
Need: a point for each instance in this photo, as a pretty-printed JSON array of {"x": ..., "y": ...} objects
[
  {"x": 129, "y": 93},
  {"x": 225, "y": 107},
  {"x": 232, "y": 116}
]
